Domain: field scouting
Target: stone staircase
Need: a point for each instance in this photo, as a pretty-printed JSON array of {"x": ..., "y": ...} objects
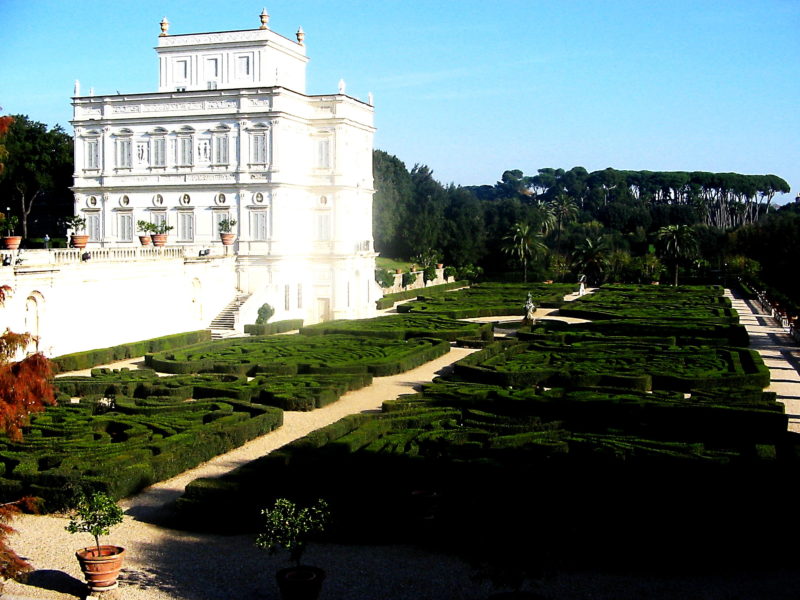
[{"x": 222, "y": 325}]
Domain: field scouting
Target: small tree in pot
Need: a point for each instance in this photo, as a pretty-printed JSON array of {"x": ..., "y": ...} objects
[
  {"x": 159, "y": 233},
  {"x": 289, "y": 527},
  {"x": 226, "y": 233},
  {"x": 96, "y": 515},
  {"x": 145, "y": 228},
  {"x": 77, "y": 223}
]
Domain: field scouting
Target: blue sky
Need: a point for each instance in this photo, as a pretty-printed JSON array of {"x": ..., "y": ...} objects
[{"x": 475, "y": 88}]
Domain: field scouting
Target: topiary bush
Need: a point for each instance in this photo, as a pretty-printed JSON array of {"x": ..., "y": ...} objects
[{"x": 264, "y": 314}]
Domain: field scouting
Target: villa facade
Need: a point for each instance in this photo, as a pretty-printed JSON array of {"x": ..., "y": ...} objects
[{"x": 232, "y": 135}]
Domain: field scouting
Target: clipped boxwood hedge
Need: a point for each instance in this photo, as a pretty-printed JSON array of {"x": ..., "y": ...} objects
[
  {"x": 288, "y": 355},
  {"x": 91, "y": 358},
  {"x": 390, "y": 300},
  {"x": 272, "y": 328},
  {"x": 126, "y": 446},
  {"x": 403, "y": 327}
]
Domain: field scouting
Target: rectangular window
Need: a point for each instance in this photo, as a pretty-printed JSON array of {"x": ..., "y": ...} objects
[
  {"x": 184, "y": 158},
  {"x": 299, "y": 295},
  {"x": 259, "y": 154},
  {"x": 157, "y": 218},
  {"x": 324, "y": 154},
  {"x": 124, "y": 153},
  {"x": 158, "y": 152},
  {"x": 92, "y": 154},
  {"x": 219, "y": 150},
  {"x": 212, "y": 68},
  {"x": 323, "y": 233},
  {"x": 286, "y": 297},
  {"x": 181, "y": 70},
  {"x": 260, "y": 225},
  {"x": 125, "y": 227},
  {"x": 93, "y": 227},
  {"x": 243, "y": 67},
  {"x": 186, "y": 227},
  {"x": 218, "y": 216}
]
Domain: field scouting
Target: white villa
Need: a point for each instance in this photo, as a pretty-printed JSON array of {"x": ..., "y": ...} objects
[{"x": 229, "y": 134}]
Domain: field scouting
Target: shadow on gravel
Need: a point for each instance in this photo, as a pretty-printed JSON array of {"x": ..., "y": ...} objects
[{"x": 57, "y": 581}]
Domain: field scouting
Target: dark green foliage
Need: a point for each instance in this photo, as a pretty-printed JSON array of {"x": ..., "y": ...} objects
[
  {"x": 384, "y": 278},
  {"x": 409, "y": 279},
  {"x": 128, "y": 445},
  {"x": 264, "y": 314},
  {"x": 300, "y": 354},
  {"x": 276, "y": 327},
  {"x": 92, "y": 358},
  {"x": 656, "y": 439},
  {"x": 403, "y": 326},
  {"x": 389, "y": 300},
  {"x": 488, "y": 299}
]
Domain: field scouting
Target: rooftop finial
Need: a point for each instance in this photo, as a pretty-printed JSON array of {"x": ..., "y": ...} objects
[
  {"x": 264, "y": 16},
  {"x": 164, "y": 27},
  {"x": 301, "y": 35},
  {"x": 77, "y": 91}
]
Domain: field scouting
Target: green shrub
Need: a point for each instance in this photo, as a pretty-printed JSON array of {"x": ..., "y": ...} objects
[
  {"x": 264, "y": 314},
  {"x": 409, "y": 279},
  {"x": 91, "y": 358},
  {"x": 384, "y": 278}
]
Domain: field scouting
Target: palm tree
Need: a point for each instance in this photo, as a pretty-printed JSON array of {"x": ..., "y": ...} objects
[
  {"x": 564, "y": 210},
  {"x": 591, "y": 258},
  {"x": 676, "y": 243},
  {"x": 523, "y": 243}
]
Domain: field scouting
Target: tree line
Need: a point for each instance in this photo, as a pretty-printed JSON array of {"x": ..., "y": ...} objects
[{"x": 607, "y": 225}]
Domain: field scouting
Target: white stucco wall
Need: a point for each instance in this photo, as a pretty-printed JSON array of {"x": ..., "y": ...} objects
[{"x": 88, "y": 305}]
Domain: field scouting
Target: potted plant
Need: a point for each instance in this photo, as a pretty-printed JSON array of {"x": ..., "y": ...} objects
[
  {"x": 76, "y": 224},
  {"x": 159, "y": 233},
  {"x": 288, "y": 527},
  {"x": 226, "y": 231},
  {"x": 7, "y": 224},
  {"x": 96, "y": 514},
  {"x": 146, "y": 228}
]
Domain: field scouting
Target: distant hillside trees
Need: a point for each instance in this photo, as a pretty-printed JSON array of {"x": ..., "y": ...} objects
[{"x": 602, "y": 224}]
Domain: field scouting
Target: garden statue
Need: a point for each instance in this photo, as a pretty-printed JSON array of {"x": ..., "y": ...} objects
[{"x": 530, "y": 308}]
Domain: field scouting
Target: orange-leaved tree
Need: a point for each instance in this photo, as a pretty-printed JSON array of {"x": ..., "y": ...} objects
[{"x": 24, "y": 389}]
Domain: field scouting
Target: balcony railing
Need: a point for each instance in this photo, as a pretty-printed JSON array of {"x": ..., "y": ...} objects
[{"x": 65, "y": 256}]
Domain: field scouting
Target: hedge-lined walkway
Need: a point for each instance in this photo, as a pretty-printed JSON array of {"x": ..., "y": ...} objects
[{"x": 779, "y": 352}]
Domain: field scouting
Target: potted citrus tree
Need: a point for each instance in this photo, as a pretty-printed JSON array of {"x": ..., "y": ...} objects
[
  {"x": 226, "y": 231},
  {"x": 96, "y": 515},
  {"x": 289, "y": 527},
  {"x": 7, "y": 225},
  {"x": 159, "y": 233},
  {"x": 145, "y": 228},
  {"x": 76, "y": 224}
]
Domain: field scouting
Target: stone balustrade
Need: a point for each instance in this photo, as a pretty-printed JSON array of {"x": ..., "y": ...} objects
[{"x": 65, "y": 256}]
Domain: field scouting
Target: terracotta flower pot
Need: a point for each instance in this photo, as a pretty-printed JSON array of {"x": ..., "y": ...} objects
[
  {"x": 145, "y": 240},
  {"x": 227, "y": 238},
  {"x": 79, "y": 241},
  {"x": 159, "y": 239},
  {"x": 300, "y": 583},
  {"x": 12, "y": 242},
  {"x": 101, "y": 569}
]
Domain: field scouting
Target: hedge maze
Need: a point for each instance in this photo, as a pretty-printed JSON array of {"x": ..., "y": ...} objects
[
  {"x": 121, "y": 430},
  {"x": 489, "y": 300},
  {"x": 404, "y": 326},
  {"x": 299, "y": 354},
  {"x": 577, "y": 444},
  {"x": 121, "y": 444}
]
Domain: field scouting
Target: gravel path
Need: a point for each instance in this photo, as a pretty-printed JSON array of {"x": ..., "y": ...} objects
[{"x": 163, "y": 564}]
